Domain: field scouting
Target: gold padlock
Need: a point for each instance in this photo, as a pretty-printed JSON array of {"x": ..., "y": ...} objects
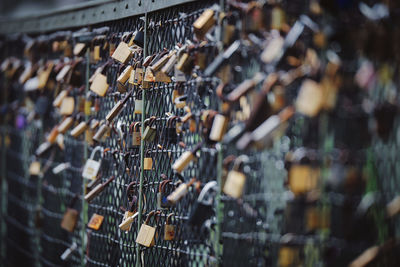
[
  {"x": 147, "y": 233},
  {"x": 80, "y": 128},
  {"x": 303, "y": 178},
  {"x": 69, "y": 220},
  {"x": 150, "y": 131},
  {"x": 65, "y": 125},
  {"x": 99, "y": 84},
  {"x": 218, "y": 129},
  {"x": 169, "y": 229},
  {"x": 204, "y": 23},
  {"x": 235, "y": 181},
  {"x": 122, "y": 53},
  {"x": 95, "y": 221},
  {"x": 117, "y": 108},
  {"x": 147, "y": 162},
  {"x": 180, "y": 192},
  {"x": 123, "y": 78},
  {"x": 79, "y": 49},
  {"x": 183, "y": 161},
  {"x": 67, "y": 105},
  {"x": 134, "y": 130}
]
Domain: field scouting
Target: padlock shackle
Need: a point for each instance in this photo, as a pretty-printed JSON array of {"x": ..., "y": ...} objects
[
  {"x": 242, "y": 159},
  {"x": 151, "y": 214},
  {"x": 97, "y": 149},
  {"x": 168, "y": 220},
  {"x": 162, "y": 185},
  {"x": 207, "y": 187},
  {"x": 228, "y": 160}
]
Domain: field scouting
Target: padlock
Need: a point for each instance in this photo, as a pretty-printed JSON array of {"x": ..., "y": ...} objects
[
  {"x": 169, "y": 229},
  {"x": 303, "y": 178},
  {"x": 118, "y": 107},
  {"x": 65, "y": 125},
  {"x": 162, "y": 201},
  {"x": 103, "y": 130},
  {"x": 134, "y": 130},
  {"x": 219, "y": 127},
  {"x": 92, "y": 167},
  {"x": 130, "y": 213},
  {"x": 185, "y": 63},
  {"x": 150, "y": 131},
  {"x": 180, "y": 101},
  {"x": 70, "y": 217},
  {"x": 139, "y": 38},
  {"x": 96, "y": 53},
  {"x": 310, "y": 98},
  {"x": 138, "y": 106},
  {"x": 122, "y": 53},
  {"x": 123, "y": 78},
  {"x": 67, "y": 106},
  {"x": 204, "y": 206},
  {"x": 235, "y": 181},
  {"x": 289, "y": 256},
  {"x": 169, "y": 66},
  {"x": 51, "y": 138},
  {"x": 95, "y": 221},
  {"x": 183, "y": 161},
  {"x": 79, "y": 49},
  {"x": 44, "y": 75},
  {"x": 180, "y": 192},
  {"x": 99, "y": 84},
  {"x": 170, "y": 131},
  {"x": 80, "y": 128},
  {"x": 63, "y": 73},
  {"x": 204, "y": 23},
  {"x": 147, "y": 233},
  {"x": 42, "y": 148},
  {"x": 148, "y": 78},
  {"x": 34, "y": 168},
  {"x": 97, "y": 190},
  {"x": 68, "y": 252},
  {"x": 147, "y": 162},
  {"x": 136, "y": 76},
  {"x": 273, "y": 50}
]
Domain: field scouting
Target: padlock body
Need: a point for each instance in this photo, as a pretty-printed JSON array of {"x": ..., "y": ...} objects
[
  {"x": 91, "y": 169},
  {"x": 69, "y": 220},
  {"x": 234, "y": 184},
  {"x": 169, "y": 232},
  {"x": 145, "y": 236}
]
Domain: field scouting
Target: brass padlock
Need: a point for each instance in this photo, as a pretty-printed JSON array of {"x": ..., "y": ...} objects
[
  {"x": 148, "y": 78},
  {"x": 65, "y": 125},
  {"x": 169, "y": 66},
  {"x": 204, "y": 23},
  {"x": 169, "y": 229},
  {"x": 92, "y": 167},
  {"x": 235, "y": 181},
  {"x": 44, "y": 74},
  {"x": 218, "y": 129},
  {"x": 96, "y": 53},
  {"x": 150, "y": 131},
  {"x": 134, "y": 130},
  {"x": 180, "y": 192},
  {"x": 185, "y": 63},
  {"x": 34, "y": 168},
  {"x": 123, "y": 78},
  {"x": 147, "y": 162},
  {"x": 67, "y": 106},
  {"x": 97, "y": 190},
  {"x": 99, "y": 84},
  {"x": 310, "y": 98},
  {"x": 95, "y": 221},
  {"x": 70, "y": 217},
  {"x": 118, "y": 107},
  {"x": 51, "y": 138},
  {"x": 183, "y": 161},
  {"x": 63, "y": 73},
  {"x": 79, "y": 49},
  {"x": 122, "y": 53},
  {"x": 303, "y": 178},
  {"x": 103, "y": 130},
  {"x": 80, "y": 128},
  {"x": 130, "y": 213},
  {"x": 147, "y": 233}
]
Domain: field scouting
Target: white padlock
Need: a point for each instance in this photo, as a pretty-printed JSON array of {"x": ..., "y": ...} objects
[{"x": 92, "y": 167}]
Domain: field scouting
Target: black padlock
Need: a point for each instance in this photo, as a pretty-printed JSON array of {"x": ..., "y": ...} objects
[
  {"x": 204, "y": 206},
  {"x": 139, "y": 38},
  {"x": 170, "y": 131}
]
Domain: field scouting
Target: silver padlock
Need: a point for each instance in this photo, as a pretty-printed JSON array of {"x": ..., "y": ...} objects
[{"x": 92, "y": 167}]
